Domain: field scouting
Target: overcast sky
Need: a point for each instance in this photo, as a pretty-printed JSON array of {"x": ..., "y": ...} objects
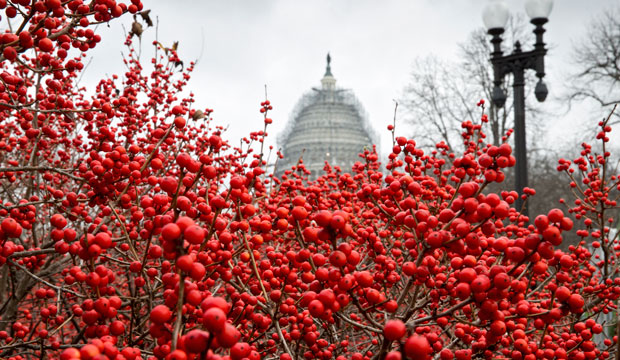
[{"x": 244, "y": 45}]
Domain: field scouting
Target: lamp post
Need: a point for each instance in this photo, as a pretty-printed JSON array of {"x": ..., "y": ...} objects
[{"x": 495, "y": 16}]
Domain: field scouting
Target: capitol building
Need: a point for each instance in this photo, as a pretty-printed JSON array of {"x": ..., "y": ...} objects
[{"x": 328, "y": 124}]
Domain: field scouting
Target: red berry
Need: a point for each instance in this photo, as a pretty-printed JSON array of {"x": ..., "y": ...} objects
[
  {"x": 117, "y": 328},
  {"x": 323, "y": 218},
  {"x": 364, "y": 278},
  {"x": 185, "y": 263},
  {"x": 89, "y": 351},
  {"x": 338, "y": 258},
  {"x": 498, "y": 328},
  {"x": 394, "y": 330},
  {"x": 555, "y": 215},
  {"x": 179, "y": 122},
  {"x": 9, "y": 53},
  {"x": 177, "y": 355},
  {"x": 214, "y": 301},
  {"x": 70, "y": 354},
  {"x": 480, "y": 284},
  {"x": 229, "y": 336},
  {"x": 299, "y": 213},
  {"x": 46, "y": 45},
  {"x": 576, "y": 302},
  {"x": 177, "y": 110},
  {"x": 194, "y": 234},
  {"x": 316, "y": 308},
  {"x": 434, "y": 239},
  {"x": 160, "y": 314},
  {"x": 196, "y": 341},
  {"x": 417, "y": 348},
  {"x": 541, "y": 222},
  {"x": 171, "y": 232},
  {"x": 214, "y": 319},
  {"x": 240, "y": 350},
  {"x": 9, "y": 226}
]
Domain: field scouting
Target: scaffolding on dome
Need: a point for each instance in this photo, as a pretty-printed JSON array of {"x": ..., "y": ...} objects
[{"x": 317, "y": 96}]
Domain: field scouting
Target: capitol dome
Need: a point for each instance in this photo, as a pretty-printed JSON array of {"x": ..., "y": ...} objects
[{"x": 327, "y": 124}]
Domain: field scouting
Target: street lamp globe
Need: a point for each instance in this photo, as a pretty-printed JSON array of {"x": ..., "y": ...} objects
[
  {"x": 538, "y": 9},
  {"x": 541, "y": 91},
  {"x": 495, "y": 15}
]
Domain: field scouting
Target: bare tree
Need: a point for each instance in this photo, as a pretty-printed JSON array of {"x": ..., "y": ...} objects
[
  {"x": 441, "y": 94},
  {"x": 438, "y": 98},
  {"x": 597, "y": 62}
]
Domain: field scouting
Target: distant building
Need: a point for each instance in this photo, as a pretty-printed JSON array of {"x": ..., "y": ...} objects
[{"x": 328, "y": 124}]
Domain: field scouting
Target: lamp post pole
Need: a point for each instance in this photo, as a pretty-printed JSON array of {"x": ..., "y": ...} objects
[
  {"x": 516, "y": 63},
  {"x": 518, "y": 87}
]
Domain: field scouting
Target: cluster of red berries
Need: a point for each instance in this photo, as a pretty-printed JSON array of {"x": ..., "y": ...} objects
[{"x": 131, "y": 229}]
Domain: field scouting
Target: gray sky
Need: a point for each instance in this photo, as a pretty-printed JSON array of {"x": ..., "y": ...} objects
[{"x": 283, "y": 43}]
